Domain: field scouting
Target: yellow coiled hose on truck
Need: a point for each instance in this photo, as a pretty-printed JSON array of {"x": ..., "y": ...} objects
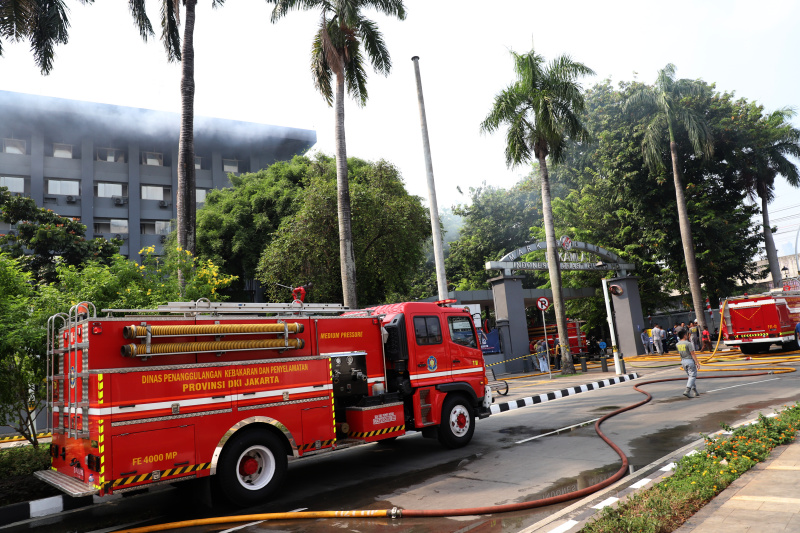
[
  {"x": 131, "y": 350},
  {"x": 133, "y": 332}
]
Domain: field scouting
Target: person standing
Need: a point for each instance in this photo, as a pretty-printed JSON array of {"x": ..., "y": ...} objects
[
  {"x": 694, "y": 335},
  {"x": 689, "y": 363},
  {"x": 541, "y": 356},
  {"x": 646, "y": 341},
  {"x": 706, "y": 340},
  {"x": 557, "y": 354},
  {"x": 658, "y": 339}
]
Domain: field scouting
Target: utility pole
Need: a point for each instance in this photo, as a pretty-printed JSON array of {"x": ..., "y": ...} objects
[{"x": 438, "y": 249}]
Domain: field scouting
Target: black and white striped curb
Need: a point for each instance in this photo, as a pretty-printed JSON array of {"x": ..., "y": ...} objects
[
  {"x": 581, "y": 513},
  {"x": 563, "y": 393},
  {"x": 17, "y": 512}
]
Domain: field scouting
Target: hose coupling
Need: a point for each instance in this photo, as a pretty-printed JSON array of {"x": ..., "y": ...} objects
[{"x": 394, "y": 513}]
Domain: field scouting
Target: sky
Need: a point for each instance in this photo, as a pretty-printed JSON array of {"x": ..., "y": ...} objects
[{"x": 248, "y": 69}]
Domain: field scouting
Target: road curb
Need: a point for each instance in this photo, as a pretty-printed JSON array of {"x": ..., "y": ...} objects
[
  {"x": 574, "y": 517},
  {"x": 498, "y": 408},
  {"x": 17, "y": 512}
]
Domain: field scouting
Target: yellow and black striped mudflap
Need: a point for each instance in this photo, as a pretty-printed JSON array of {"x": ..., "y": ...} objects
[
  {"x": 159, "y": 475},
  {"x": 378, "y": 434}
]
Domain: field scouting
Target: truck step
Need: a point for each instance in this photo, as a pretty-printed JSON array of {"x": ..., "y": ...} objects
[{"x": 65, "y": 483}]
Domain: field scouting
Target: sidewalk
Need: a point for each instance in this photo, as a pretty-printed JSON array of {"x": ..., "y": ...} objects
[{"x": 765, "y": 498}]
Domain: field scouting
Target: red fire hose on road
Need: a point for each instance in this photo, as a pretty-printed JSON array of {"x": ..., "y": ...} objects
[{"x": 468, "y": 511}]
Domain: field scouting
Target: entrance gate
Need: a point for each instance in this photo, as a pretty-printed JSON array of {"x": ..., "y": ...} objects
[{"x": 509, "y": 297}]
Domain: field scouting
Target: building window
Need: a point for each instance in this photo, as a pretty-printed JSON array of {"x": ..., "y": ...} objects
[
  {"x": 63, "y": 151},
  {"x": 200, "y": 195},
  {"x": 111, "y": 155},
  {"x": 155, "y": 192},
  {"x": 114, "y": 225},
  {"x": 64, "y": 187},
  {"x": 156, "y": 227},
  {"x": 15, "y": 146},
  {"x": 110, "y": 190},
  {"x": 198, "y": 163},
  {"x": 153, "y": 159},
  {"x": 13, "y": 184},
  {"x": 230, "y": 165}
]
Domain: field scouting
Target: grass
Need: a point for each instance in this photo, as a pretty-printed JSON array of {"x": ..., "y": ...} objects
[{"x": 699, "y": 477}]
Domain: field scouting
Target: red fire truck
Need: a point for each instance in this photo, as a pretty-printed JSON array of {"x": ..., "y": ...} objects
[
  {"x": 754, "y": 323},
  {"x": 232, "y": 390}
]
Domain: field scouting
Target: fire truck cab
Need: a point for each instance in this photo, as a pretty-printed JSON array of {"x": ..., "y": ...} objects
[
  {"x": 756, "y": 322},
  {"x": 197, "y": 389}
]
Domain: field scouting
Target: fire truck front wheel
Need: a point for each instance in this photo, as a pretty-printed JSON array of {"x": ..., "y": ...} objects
[
  {"x": 252, "y": 467},
  {"x": 458, "y": 422}
]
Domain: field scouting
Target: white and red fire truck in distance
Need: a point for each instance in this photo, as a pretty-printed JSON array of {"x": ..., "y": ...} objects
[
  {"x": 754, "y": 323},
  {"x": 233, "y": 391}
]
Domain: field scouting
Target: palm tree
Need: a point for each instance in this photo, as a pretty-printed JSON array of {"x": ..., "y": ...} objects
[
  {"x": 764, "y": 162},
  {"x": 337, "y": 51},
  {"x": 43, "y": 22},
  {"x": 666, "y": 105},
  {"x": 541, "y": 110},
  {"x": 183, "y": 52}
]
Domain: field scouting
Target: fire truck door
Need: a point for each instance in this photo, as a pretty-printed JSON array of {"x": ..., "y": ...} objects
[
  {"x": 465, "y": 354},
  {"x": 429, "y": 362}
]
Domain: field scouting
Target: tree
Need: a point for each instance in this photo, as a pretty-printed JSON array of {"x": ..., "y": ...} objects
[
  {"x": 337, "y": 51},
  {"x": 22, "y": 350},
  {"x": 775, "y": 141},
  {"x": 666, "y": 105},
  {"x": 43, "y": 239},
  {"x": 496, "y": 221},
  {"x": 185, "y": 204},
  {"x": 542, "y": 111},
  {"x": 236, "y": 224},
  {"x": 43, "y": 22},
  {"x": 389, "y": 231}
]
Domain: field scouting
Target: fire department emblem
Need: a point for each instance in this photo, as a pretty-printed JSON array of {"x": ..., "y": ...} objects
[
  {"x": 432, "y": 364},
  {"x": 72, "y": 376}
]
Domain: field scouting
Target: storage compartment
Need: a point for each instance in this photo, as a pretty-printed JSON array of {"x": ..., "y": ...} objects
[
  {"x": 157, "y": 452},
  {"x": 376, "y": 422},
  {"x": 349, "y": 374}
]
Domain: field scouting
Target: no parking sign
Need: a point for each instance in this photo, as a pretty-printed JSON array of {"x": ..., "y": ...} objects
[{"x": 542, "y": 303}]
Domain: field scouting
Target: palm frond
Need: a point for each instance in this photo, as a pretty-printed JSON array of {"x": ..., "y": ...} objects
[
  {"x": 506, "y": 107},
  {"x": 642, "y": 102},
  {"x": 374, "y": 45},
  {"x": 15, "y": 19},
  {"x": 355, "y": 76},
  {"x": 699, "y": 132},
  {"x": 392, "y": 8},
  {"x": 170, "y": 33},
  {"x": 282, "y": 7},
  {"x": 653, "y": 141},
  {"x": 140, "y": 18},
  {"x": 320, "y": 71},
  {"x": 49, "y": 26}
]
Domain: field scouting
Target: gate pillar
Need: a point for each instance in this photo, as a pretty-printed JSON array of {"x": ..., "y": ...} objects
[
  {"x": 509, "y": 308},
  {"x": 628, "y": 315}
]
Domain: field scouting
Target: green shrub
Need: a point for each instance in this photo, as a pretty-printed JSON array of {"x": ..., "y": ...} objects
[{"x": 23, "y": 460}]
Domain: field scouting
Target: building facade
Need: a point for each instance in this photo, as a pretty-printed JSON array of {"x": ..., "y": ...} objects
[{"x": 116, "y": 168}]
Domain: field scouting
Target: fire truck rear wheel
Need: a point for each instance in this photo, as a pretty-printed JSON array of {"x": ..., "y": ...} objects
[
  {"x": 458, "y": 422},
  {"x": 252, "y": 466}
]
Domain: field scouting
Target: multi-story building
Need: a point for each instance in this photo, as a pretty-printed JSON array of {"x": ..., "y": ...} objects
[{"x": 116, "y": 168}]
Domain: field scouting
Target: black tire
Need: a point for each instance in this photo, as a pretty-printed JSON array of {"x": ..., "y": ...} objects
[
  {"x": 252, "y": 466},
  {"x": 458, "y": 422}
]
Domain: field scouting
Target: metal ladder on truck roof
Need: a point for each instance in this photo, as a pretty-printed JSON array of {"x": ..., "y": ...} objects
[{"x": 204, "y": 306}]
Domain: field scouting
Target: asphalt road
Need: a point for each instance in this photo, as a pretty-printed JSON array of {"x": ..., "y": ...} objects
[{"x": 509, "y": 460}]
